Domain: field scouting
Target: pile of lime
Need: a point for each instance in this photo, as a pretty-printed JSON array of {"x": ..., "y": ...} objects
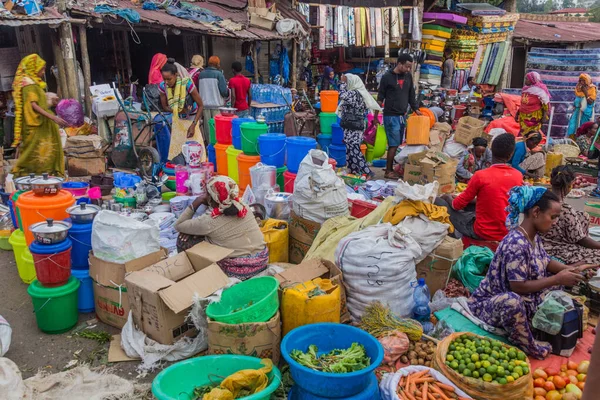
[{"x": 486, "y": 359}]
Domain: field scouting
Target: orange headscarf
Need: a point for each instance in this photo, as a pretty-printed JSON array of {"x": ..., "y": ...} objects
[
  {"x": 158, "y": 61},
  {"x": 590, "y": 85}
]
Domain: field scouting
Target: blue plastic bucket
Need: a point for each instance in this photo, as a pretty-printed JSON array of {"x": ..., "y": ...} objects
[
  {"x": 327, "y": 337},
  {"x": 236, "y": 131},
  {"x": 297, "y": 148},
  {"x": 339, "y": 154},
  {"x": 13, "y": 217},
  {"x": 85, "y": 293},
  {"x": 81, "y": 236},
  {"x": 370, "y": 393},
  {"x": 271, "y": 147},
  {"x": 324, "y": 141},
  {"x": 337, "y": 135},
  {"x": 212, "y": 155}
]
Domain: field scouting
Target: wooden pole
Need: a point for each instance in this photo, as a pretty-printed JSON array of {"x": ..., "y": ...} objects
[
  {"x": 294, "y": 63},
  {"x": 85, "y": 65},
  {"x": 255, "y": 60},
  {"x": 510, "y": 6},
  {"x": 68, "y": 53},
  {"x": 60, "y": 65}
]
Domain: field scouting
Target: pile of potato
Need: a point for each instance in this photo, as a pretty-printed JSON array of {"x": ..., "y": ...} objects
[{"x": 419, "y": 353}]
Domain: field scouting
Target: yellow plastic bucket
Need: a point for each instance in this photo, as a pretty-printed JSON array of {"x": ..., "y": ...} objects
[
  {"x": 23, "y": 258},
  {"x": 232, "y": 163}
]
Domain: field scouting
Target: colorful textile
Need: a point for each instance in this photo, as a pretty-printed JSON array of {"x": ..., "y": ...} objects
[
  {"x": 495, "y": 303},
  {"x": 583, "y": 129},
  {"x": 521, "y": 199},
  {"x": 412, "y": 208},
  {"x": 154, "y": 75},
  {"x": 245, "y": 267},
  {"x": 225, "y": 192},
  {"x": 378, "y": 27},
  {"x": 351, "y": 27},
  {"x": 395, "y": 26},
  {"x": 358, "y": 26},
  {"x": 346, "y": 26},
  {"x": 27, "y": 74},
  {"x": 385, "y": 16},
  {"x": 330, "y": 24},
  {"x": 353, "y": 102},
  {"x": 322, "y": 21},
  {"x": 354, "y": 83},
  {"x": 582, "y": 113},
  {"x": 537, "y": 87},
  {"x": 531, "y": 113}
]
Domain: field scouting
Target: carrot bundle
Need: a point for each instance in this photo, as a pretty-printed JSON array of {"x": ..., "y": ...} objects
[{"x": 422, "y": 386}]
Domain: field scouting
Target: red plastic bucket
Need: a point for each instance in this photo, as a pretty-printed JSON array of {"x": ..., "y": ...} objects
[
  {"x": 288, "y": 181},
  {"x": 362, "y": 208},
  {"x": 333, "y": 162},
  {"x": 52, "y": 263}
]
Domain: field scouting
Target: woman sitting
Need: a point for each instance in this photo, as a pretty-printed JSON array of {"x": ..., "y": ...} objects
[
  {"x": 569, "y": 239},
  {"x": 531, "y": 163},
  {"x": 584, "y": 136},
  {"x": 522, "y": 272},
  {"x": 476, "y": 158},
  {"x": 227, "y": 223}
]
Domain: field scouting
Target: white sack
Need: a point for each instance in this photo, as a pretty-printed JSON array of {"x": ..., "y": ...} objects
[
  {"x": 425, "y": 193},
  {"x": 453, "y": 149},
  {"x": 429, "y": 234},
  {"x": 378, "y": 264},
  {"x": 5, "y": 336}
]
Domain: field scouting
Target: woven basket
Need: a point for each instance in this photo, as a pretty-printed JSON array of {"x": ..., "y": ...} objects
[{"x": 568, "y": 150}]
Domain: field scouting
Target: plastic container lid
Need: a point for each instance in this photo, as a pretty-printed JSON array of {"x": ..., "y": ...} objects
[
  {"x": 50, "y": 226},
  {"x": 46, "y": 179},
  {"x": 271, "y": 136},
  {"x": 302, "y": 140},
  {"x": 37, "y": 290},
  {"x": 75, "y": 185},
  {"x": 38, "y": 248},
  {"x": 421, "y": 281}
]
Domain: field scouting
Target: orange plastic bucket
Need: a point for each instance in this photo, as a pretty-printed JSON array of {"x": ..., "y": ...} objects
[
  {"x": 244, "y": 164},
  {"x": 329, "y": 100},
  {"x": 417, "y": 130},
  {"x": 36, "y": 209},
  {"x": 221, "y": 154}
]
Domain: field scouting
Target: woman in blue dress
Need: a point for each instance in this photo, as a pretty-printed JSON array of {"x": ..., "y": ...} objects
[{"x": 585, "y": 99}]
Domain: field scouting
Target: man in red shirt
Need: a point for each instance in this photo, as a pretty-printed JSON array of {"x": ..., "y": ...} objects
[
  {"x": 241, "y": 98},
  {"x": 488, "y": 189}
]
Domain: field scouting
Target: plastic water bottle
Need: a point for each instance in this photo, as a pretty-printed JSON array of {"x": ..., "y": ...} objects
[{"x": 421, "y": 296}]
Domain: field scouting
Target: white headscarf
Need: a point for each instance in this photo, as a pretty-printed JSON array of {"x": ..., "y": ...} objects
[
  {"x": 182, "y": 71},
  {"x": 355, "y": 83}
]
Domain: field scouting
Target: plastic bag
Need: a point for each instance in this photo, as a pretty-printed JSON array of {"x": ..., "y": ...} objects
[
  {"x": 439, "y": 301},
  {"x": 402, "y": 155},
  {"x": 71, "y": 111},
  {"x": 550, "y": 314},
  {"x": 252, "y": 380},
  {"x": 5, "y": 336},
  {"x": 395, "y": 344},
  {"x": 119, "y": 239},
  {"x": 426, "y": 193},
  {"x": 389, "y": 383},
  {"x": 472, "y": 267},
  {"x": 370, "y": 134}
]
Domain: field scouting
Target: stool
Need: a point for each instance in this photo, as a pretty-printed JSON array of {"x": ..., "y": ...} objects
[{"x": 467, "y": 241}]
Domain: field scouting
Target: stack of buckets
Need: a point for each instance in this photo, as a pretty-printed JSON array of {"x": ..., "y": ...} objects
[
  {"x": 249, "y": 132},
  {"x": 235, "y": 149},
  {"x": 212, "y": 141},
  {"x": 337, "y": 149},
  {"x": 331, "y": 139},
  {"x": 223, "y": 141}
]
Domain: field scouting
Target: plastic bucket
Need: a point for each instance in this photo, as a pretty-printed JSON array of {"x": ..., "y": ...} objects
[
  {"x": 13, "y": 213},
  {"x": 81, "y": 238},
  {"x": 16, "y": 210},
  {"x": 25, "y": 268},
  {"x": 77, "y": 189},
  {"x": 211, "y": 154},
  {"x": 327, "y": 120},
  {"x": 289, "y": 179},
  {"x": 337, "y": 135},
  {"x": 370, "y": 393},
  {"x": 254, "y": 300},
  {"x": 236, "y": 132},
  {"x": 362, "y": 208},
  {"x": 281, "y": 178},
  {"x": 339, "y": 154},
  {"x": 131, "y": 202},
  {"x": 39, "y": 208},
  {"x": 85, "y": 294},
  {"x": 369, "y": 153},
  {"x": 52, "y": 262},
  {"x": 271, "y": 147},
  {"x": 244, "y": 164},
  {"x": 250, "y": 133},
  {"x": 232, "y": 163},
  {"x": 329, "y": 100},
  {"x": 221, "y": 158},
  {"x": 223, "y": 128},
  {"x": 297, "y": 148},
  {"x": 5, "y": 240},
  {"x": 180, "y": 379},
  {"x": 324, "y": 141},
  {"x": 55, "y": 308},
  {"x": 327, "y": 337},
  {"x": 212, "y": 135}
]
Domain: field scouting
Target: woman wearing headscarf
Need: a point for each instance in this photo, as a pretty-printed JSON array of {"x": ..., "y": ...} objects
[
  {"x": 475, "y": 158},
  {"x": 154, "y": 75},
  {"x": 585, "y": 98},
  {"x": 196, "y": 67},
  {"x": 584, "y": 136},
  {"x": 226, "y": 222},
  {"x": 355, "y": 102},
  {"x": 36, "y": 127},
  {"x": 526, "y": 159},
  {"x": 521, "y": 272},
  {"x": 328, "y": 81},
  {"x": 535, "y": 98}
]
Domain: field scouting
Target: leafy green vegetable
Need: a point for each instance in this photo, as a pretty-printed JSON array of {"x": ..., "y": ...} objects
[{"x": 338, "y": 361}]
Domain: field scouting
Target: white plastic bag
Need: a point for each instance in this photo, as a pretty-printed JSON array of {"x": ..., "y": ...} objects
[
  {"x": 416, "y": 192},
  {"x": 402, "y": 155},
  {"x": 453, "y": 149},
  {"x": 319, "y": 194},
  {"x": 429, "y": 234},
  {"x": 119, "y": 239},
  {"x": 5, "y": 336},
  {"x": 389, "y": 383},
  {"x": 378, "y": 264}
]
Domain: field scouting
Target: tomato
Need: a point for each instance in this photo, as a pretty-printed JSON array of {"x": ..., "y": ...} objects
[
  {"x": 540, "y": 373},
  {"x": 553, "y": 395},
  {"x": 572, "y": 372},
  {"x": 581, "y": 385},
  {"x": 573, "y": 380},
  {"x": 538, "y": 391},
  {"x": 559, "y": 382},
  {"x": 549, "y": 386},
  {"x": 572, "y": 365},
  {"x": 539, "y": 382}
]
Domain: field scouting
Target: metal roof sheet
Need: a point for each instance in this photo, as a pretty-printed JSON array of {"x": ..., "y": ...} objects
[
  {"x": 558, "y": 32},
  {"x": 49, "y": 16}
]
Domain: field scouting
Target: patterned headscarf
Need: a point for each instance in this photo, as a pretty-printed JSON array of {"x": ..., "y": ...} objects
[
  {"x": 224, "y": 191},
  {"x": 521, "y": 199},
  {"x": 158, "y": 61},
  {"x": 590, "y": 85},
  {"x": 537, "y": 87},
  {"x": 27, "y": 74}
]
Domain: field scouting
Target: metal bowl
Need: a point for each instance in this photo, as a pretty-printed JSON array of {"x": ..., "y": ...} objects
[
  {"x": 83, "y": 213},
  {"x": 50, "y": 232},
  {"x": 227, "y": 111},
  {"x": 46, "y": 185},
  {"x": 24, "y": 182}
]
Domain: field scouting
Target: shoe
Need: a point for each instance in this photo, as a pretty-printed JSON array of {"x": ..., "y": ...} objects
[{"x": 392, "y": 175}]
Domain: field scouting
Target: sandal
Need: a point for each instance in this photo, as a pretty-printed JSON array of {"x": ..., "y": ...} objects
[{"x": 391, "y": 175}]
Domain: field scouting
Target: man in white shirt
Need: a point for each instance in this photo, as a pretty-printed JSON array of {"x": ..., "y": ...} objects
[{"x": 469, "y": 87}]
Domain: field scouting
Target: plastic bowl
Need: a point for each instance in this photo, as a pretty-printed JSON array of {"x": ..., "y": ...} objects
[
  {"x": 77, "y": 189},
  {"x": 326, "y": 337},
  {"x": 171, "y": 185},
  {"x": 260, "y": 293},
  {"x": 167, "y": 196},
  {"x": 179, "y": 380}
]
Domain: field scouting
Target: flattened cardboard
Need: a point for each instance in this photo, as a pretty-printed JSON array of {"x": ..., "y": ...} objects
[{"x": 116, "y": 352}]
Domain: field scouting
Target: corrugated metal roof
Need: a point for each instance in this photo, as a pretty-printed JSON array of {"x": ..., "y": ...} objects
[
  {"x": 50, "y": 16},
  {"x": 558, "y": 32},
  {"x": 570, "y": 11}
]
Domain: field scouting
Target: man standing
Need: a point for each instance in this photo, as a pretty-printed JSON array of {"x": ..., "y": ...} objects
[
  {"x": 241, "y": 98},
  {"x": 396, "y": 93},
  {"x": 212, "y": 87},
  {"x": 447, "y": 69}
]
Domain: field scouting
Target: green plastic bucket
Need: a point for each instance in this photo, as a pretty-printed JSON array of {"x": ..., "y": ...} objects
[
  {"x": 254, "y": 300},
  {"x": 23, "y": 257},
  {"x": 55, "y": 308},
  {"x": 280, "y": 179},
  {"x": 212, "y": 131},
  {"x": 4, "y": 243},
  {"x": 14, "y": 198},
  {"x": 180, "y": 379},
  {"x": 250, "y": 133},
  {"x": 126, "y": 201},
  {"x": 327, "y": 119}
]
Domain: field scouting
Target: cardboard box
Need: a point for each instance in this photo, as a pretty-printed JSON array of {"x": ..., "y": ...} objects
[
  {"x": 438, "y": 135},
  {"x": 110, "y": 291},
  {"x": 86, "y": 166},
  {"x": 467, "y": 129},
  {"x": 436, "y": 267},
  {"x": 430, "y": 166},
  {"x": 260, "y": 339},
  {"x": 302, "y": 233},
  {"x": 161, "y": 295},
  {"x": 311, "y": 269},
  {"x": 262, "y": 18},
  {"x": 593, "y": 210}
]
